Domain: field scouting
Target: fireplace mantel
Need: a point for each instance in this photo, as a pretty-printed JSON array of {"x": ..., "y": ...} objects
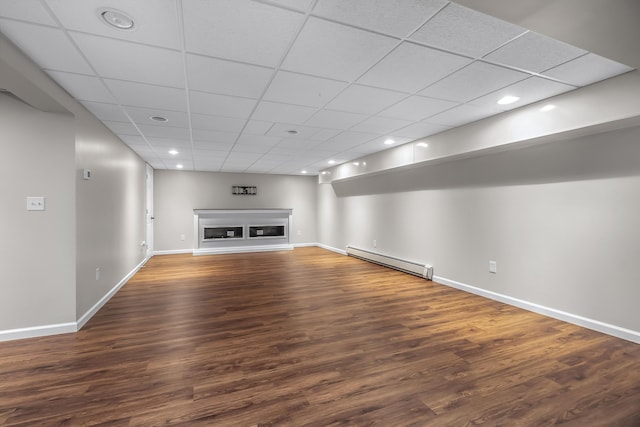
[{"x": 241, "y": 230}]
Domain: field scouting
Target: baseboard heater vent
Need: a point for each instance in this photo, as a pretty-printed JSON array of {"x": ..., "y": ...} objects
[{"x": 415, "y": 268}]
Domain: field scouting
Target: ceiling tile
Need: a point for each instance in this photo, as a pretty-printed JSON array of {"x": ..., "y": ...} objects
[
  {"x": 83, "y": 88},
  {"x": 268, "y": 141},
  {"x": 210, "y": 155},
  {"x": 242, "y": 158},
  {"x": 122, "y": 60},
  {"x": 48, "y": 47},
  {"x": 325, "y": 134},
  {"x": 241, "y": 30},
  {"x": 364, "y": 99},
  {"x": 278, "y": 112},
  {"x": 226, "y": 77},
  {"x": 31, "y": 11},
  {"x": 134, "y": 140},
  {"x": 460, "y": 115},
  {"x": 466, "y": 31},
  {"x": 182, "y": 156},
  {"x": 587, "y": 69},
  {"x": 410, "y": 68},
  {"x": 251, "y": 148},
  {"x": 380, "y": 125},
  {"x": 121, "y": 128},
  {"x": 299, "y": 89},
  {"x": 535, "y": 52},
  {"x": 298, "y": 144},
  {"x": 169, "y": 132},
  {"x": 335, "y": 119},
  {"x": 417, "y": 108},
  {"x": 336, "y": 51},
  {"x": 220, "y": 105},
  {"x": 204, "y": 122},
  {"x": 257, "y": 127},
  {"x": 149, "y": 96},
  {"x": 301, "y": 5},
  {"x": 348, "y": 139},
  {"x": 420, "y": 130},
  {"x": 212, "y": 145},
  {"x": 109, "y": 112},
  {"x": 281, "y": 130},
  {"x": 395, "y": 17},
  {"x": 143, "y": 116},
  {"x": 472, "y": 81},
  {"x": 531, "y": 90},
  {"x": 155, "y": 25},
  {"x": 165, "y": 144}
]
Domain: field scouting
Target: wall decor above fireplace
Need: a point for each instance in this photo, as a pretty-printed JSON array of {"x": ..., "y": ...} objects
[{"x": 244, "y": 190}]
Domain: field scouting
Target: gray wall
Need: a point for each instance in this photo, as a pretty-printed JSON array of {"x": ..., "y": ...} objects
[
  {"x": 110, "y": 210},
  {"x": 49, "y": 258},
  {"x": 37, "y": 248},
  {"x": 178, "y": 193},
  {"x": 562, "y": 220}
]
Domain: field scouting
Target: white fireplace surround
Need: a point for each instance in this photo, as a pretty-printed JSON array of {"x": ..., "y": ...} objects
[{"x": 241, "y": 230}]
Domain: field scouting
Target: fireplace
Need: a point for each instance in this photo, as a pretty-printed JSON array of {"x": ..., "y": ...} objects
[{"x": 241, "y": 230}]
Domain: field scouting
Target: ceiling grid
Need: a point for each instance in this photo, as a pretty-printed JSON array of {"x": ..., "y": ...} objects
[{"x": 286, "y": 86}]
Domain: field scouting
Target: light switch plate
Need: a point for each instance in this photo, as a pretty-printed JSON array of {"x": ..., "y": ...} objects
[
  {"x": 35, "y": 203},
  {"x": 493, "y": 267}
]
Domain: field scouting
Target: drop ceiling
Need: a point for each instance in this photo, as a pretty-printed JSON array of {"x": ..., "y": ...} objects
[{"x": 286, "y": 86}]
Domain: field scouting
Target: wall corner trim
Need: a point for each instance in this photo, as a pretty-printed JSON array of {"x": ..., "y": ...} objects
[{"x": 596, "y": 325}]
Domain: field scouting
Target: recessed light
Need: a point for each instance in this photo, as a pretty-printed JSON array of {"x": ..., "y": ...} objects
[
  {"x": 179, "y": 166},
  {"x": 117, "y": 19},
  {"x": 292, "y": 132},
  {"x": 389, "y": 142},
  {"x": 422, "y": 144},
  {"x": 303, "y": 171},
  {"x": 547, "y": 107},
  {"x": 332, "y": 162},
  {"x": 159, "y": 119},
  {"x": 509, "y": 99},
  {"x": 173, "y": 152},
  {"x": 356, "y": 164}
]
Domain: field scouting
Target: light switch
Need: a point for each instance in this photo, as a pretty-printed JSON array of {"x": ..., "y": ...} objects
[
  {"x": 35, "y": 203},
  {"x": 493, "y": 267}
]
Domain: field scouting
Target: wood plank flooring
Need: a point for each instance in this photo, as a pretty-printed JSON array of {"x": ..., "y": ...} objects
[{"x": 312, "y": 338}]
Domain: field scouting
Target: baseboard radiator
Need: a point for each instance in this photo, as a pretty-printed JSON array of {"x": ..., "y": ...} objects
[{"x": 415, "y": 268}]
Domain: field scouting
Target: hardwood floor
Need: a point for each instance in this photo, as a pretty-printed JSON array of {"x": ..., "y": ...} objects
[{"x": 309, "y": 337}]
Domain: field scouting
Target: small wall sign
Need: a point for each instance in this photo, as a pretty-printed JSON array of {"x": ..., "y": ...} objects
[{"x": 244, "y": 190}]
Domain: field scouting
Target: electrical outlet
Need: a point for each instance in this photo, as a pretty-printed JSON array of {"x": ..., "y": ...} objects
[
  {"x": 375, "y": 243},
  {"x": 182, "y": 237},
  {"x": 493, "y": 267},
  {"x": 97, "y": 273}
]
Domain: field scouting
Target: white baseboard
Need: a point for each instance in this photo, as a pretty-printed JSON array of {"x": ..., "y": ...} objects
[
  {"x": 596, "y": 325},
  {"x": 37, "y": 331},
  {"x": 242, "y": 249},
  {"x": 97, "y": 306},
  {"x": 304, "y": 245},
  {"x": 332, "y": 249},
  {"x": 64, "y": 328},
  {"x": 173, "y": 252}
]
